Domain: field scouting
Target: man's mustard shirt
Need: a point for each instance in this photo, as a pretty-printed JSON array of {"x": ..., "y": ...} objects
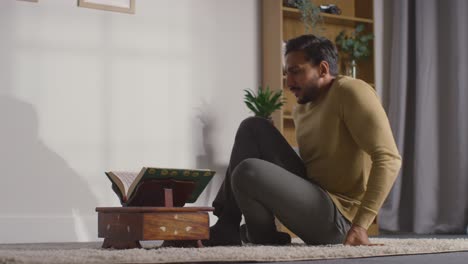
[{"x": 346, "y": 143}]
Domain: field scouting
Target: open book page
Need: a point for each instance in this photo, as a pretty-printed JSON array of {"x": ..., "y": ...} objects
[
  {"x": 135, "y": 181},
  {"x": 157, "y": 178},
  {"x": 127, "y": 178}
]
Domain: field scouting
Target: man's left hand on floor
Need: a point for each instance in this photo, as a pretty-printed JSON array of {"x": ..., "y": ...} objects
[{"x": 357, "y": 236}]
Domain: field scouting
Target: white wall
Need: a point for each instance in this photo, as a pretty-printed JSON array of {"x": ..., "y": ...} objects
[{"x": 83, "y": 91}]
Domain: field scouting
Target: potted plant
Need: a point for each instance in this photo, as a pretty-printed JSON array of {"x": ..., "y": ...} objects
[
  {"x": 264, "y": 103},
  {"x": 355, "y": 47}
]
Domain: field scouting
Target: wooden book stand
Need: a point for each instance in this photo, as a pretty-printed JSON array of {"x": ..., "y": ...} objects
[{"x": 124, "y": 227}]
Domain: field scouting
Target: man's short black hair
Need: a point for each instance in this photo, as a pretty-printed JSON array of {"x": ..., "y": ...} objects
[{"x": 316, "y": 49}]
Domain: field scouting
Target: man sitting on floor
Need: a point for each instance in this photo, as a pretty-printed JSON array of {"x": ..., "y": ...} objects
[{"x": 349, "y": 161}]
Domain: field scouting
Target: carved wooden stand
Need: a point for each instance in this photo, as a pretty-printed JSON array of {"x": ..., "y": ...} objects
[{"x": 124, "y": 227}]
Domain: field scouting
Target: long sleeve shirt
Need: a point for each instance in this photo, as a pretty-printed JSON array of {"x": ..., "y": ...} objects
[{"x": 346, "y": 143}]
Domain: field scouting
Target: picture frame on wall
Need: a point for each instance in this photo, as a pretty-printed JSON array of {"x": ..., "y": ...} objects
[{"x": 123, "y": 6}]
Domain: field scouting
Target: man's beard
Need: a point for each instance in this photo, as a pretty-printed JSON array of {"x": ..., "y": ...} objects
[
  {"x": 303, "y": 100},
  {"x": 309, "y": 94}
]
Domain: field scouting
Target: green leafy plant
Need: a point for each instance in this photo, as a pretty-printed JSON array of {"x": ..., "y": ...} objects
[
  {"x": 264, "y": 103},
  {"x": 355, "y": 46},
  {"x": 310, "y": 16}
]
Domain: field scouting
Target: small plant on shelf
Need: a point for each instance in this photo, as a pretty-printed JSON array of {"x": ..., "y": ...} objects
[
  {"x": 264, "y": 103},
  {"x": 354, "y": 47},
  {"x": 310, "y": 16}
]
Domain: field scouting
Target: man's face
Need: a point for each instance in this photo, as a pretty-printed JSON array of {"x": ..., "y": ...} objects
[{"x": 303, "y": 79}]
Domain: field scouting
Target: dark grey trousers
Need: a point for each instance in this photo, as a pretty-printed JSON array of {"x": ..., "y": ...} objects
[{"x": 266, "y": 178}]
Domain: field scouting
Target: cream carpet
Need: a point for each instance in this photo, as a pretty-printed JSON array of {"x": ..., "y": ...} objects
[{"x": 91, "y": 252}]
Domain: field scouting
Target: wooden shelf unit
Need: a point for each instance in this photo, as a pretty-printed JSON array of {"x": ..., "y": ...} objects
[{"x": 281, "y": 23}]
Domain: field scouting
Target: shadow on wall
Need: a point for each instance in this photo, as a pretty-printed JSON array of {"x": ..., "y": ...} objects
[
  {"x": 208, "y": 160},
  {"x": 41, "y": 195}
]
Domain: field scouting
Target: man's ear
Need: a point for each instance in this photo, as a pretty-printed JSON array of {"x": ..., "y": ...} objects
[{"x": 324, "y": 68}]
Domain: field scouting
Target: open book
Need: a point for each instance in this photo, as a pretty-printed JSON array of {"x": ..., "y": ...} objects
[{"x": 146, "y": 187}]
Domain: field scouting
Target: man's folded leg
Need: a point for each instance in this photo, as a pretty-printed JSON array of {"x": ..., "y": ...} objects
[{"x": 255, "y": 138}]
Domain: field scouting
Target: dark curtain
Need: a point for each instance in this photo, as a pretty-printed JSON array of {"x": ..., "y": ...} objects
[{"x": 426, "y": 98}]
